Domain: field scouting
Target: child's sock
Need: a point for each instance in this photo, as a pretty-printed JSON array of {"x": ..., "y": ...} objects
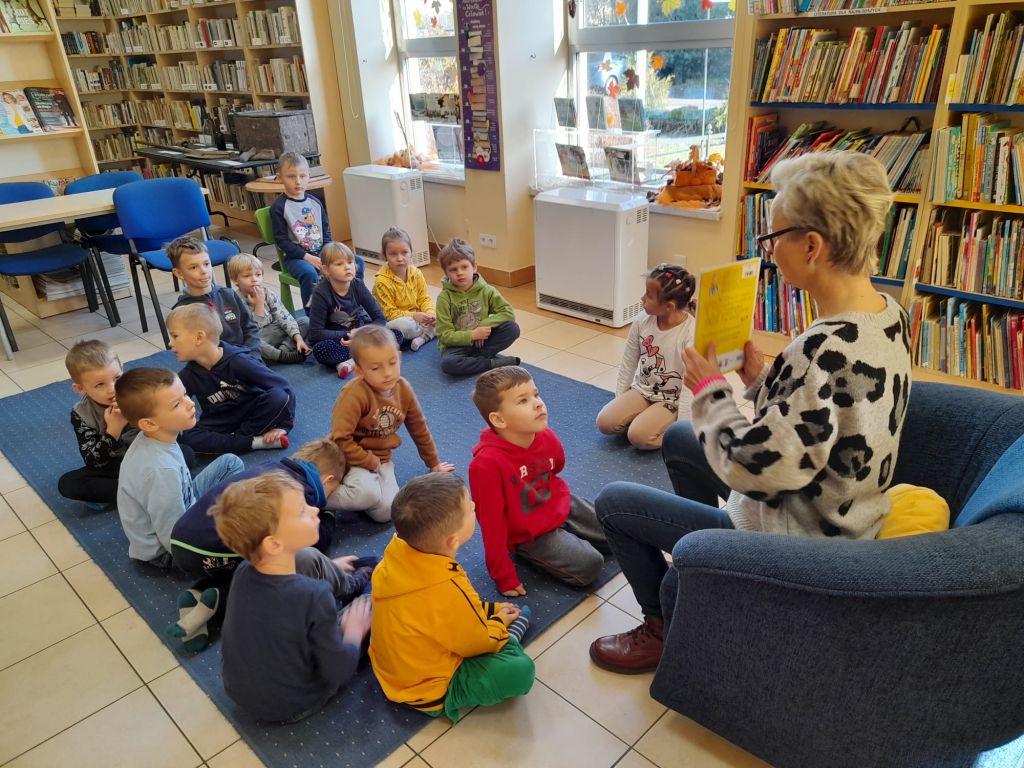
[
  {"x": 259, "y": 445},
  {"x": 195, "y": 609},
  {"x": 344, "y": 369},
  {"x": 418, "y": 342},
  {"x": 518, "y": 627},
  {"x": 499, "y": 361}
]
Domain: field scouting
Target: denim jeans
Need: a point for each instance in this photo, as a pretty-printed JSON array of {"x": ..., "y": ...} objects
[{"x": 643, "y": 523}]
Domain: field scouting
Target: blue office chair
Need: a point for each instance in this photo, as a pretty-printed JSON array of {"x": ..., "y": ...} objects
[
  {"x": 46, "y": 259},
  {"x": 100, "y": 233},
  {"x": 157, "y": 211}
]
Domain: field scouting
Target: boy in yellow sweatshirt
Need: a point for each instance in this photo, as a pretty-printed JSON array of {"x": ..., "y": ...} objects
[
  {"x": 365, "y": 422},
  {"x": 434, "y": 644},
  {"x": 401, "y": 291}
]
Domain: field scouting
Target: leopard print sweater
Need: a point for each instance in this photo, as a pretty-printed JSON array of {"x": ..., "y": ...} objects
[{"x": 819, "y": 455}]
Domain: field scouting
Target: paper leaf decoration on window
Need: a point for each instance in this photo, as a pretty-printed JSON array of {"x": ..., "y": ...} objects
[
  {"x": 620, "y": 8},
  {"x": 436, "y": 5},
  {"x": 632, "y": 79},
  {"x": 613, "y": 89},
  {"x": 605, "y": 66},
  {"x": 668, "y": 6},
  {"x": 705, "y": 5},
  {"x": 657, "y": 61},
  {"x": 417, "y": 18},
  {"x": 433, "y": 21},
  {"x": 609, "y": 120}
]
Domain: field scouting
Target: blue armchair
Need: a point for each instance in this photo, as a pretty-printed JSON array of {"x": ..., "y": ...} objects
[{"x": 906, "y": 652}]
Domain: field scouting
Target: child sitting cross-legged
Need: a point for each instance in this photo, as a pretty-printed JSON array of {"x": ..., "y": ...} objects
[
  {"x": 280, "y": 334},
  {"x": 522, "y": 503},
  {"x": 191, "y": 264},
  {"x": 365, "y": 422},
  {"x": 434, "y": 644},
  {"x": 474, "y": 322},
  {"x": 102, "y": 431},
  {"x": 286, "y": 652},
  {"x": 401, "y": 290},
  {"x": 155, "y": 487},
  {"x": 340, "y": 304},
  {"x": 197, "y": 550},
  {"x": 245, "y": 405}
]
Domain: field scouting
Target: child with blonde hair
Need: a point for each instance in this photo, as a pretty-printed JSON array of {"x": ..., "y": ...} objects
[
  {"x": 650, "y": 395},
  {"x": 280, "y": 334},
  {"x": 340, "y": 304},
  {"x": 401, "y": 291}
]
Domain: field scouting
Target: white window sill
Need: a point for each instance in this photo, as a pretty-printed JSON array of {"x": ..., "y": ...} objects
[
  {"x": 453, "y": 177},
  {"x": 708, "y": 214}
]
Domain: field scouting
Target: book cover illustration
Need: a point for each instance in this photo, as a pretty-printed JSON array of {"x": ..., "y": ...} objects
[
  {"x": 725, "y": 311},
  {"x": 631, "y": 113},
  {"x": 573, "y": 160},
  {"x": 22, "y": 17},
  {"x": 16, "y": 115},
  {"x": 595, "y": 113},
  {"x": 448, "y": 141},
  {"x": 620, "y": 164},
  {"x": 435, "y": 107},
  {"x": 565, "y": 112},
  {"x": 52, "y": 108}
]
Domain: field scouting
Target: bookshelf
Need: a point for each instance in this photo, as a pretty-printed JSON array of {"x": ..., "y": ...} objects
[
  {"x": 151, "y": 71},
  {"x": 964, "y": 286}
]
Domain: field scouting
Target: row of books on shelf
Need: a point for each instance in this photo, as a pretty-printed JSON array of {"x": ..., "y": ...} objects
[
  {"x": 761, "y": 7},
  {"x": 975, "y": 251},
  {"x": 87, "y": 8},
  {"x": 158, "y": 136},
  {"x": 273, "y": 27},
  {"x": 83, "y": 43},
  {"x": 281, "y": 75},
  {"x": 880, "y": 64},
  {"x": 781, "y": 307},
  {"x": 110, "y": 115},
  {"x": 33, "y": 109},
  {"x": 229, "y": 189},
  {"x": 22, "y": 17},
  {"x": 969, "y": 339},
  {"x": 150, "y": 38},
  {"x": 903, "y": 153},
  {"x": 992, "y": 71},
  {"x": 981, "y": 160},
  {"x": 190, "y": 76},
  {"x": 115, "y": 146},
  {"x": 102, "y": 77}
]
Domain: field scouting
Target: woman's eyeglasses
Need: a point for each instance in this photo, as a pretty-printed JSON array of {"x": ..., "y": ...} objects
[{"x": 767, "y": 242}]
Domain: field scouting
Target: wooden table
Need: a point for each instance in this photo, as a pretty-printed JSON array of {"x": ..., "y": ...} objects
[
  {"x": 271, "y": 186},
  {"x": 49, "y": 210}
]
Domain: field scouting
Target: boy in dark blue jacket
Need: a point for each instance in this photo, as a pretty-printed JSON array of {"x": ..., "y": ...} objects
[
  {"x": 190, "y": 263},
  {"x": 245, "y": 406},
  {"x": 341, "y": 303}
]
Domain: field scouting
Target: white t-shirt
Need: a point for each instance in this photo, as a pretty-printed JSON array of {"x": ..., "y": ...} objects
[{"x": 652, "y": 362}]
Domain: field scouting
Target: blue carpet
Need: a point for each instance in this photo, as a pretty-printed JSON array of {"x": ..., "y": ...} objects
[{"x": 359, "y": 727}]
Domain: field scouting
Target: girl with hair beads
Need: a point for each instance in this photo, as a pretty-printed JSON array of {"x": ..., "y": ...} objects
[{"x": 650, "y": 395}]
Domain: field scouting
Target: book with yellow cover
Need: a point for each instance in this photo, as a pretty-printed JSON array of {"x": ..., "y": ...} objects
[{"x": 725, "y": 311}]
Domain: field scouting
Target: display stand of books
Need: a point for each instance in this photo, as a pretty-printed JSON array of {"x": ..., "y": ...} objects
[
  {"x": 167, "y": 71},
  {"x": 835, "y": 74},
  {"x": 589, "y": 157}
]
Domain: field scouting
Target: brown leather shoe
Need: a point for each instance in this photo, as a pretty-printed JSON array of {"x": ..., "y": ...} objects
[{"x": 633, "y": 652}]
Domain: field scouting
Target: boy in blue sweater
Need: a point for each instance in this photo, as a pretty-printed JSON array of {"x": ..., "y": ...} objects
[
  {"x": 245, "y": 406},
  {"x": 340, "y": 304},
  {"x": 190, "y": 263},
  {"x": 300, "y": 225},
  {"x": 285, "y": 651},
  {"x": 154, "y": 486}
]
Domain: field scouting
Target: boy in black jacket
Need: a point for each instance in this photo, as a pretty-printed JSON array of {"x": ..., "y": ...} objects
[
  {"x": 190, "y": 263},
  {"x": 245, "y": 406}
]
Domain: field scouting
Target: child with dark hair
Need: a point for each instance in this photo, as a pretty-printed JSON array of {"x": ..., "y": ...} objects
[{"x": 650, "y": 396}]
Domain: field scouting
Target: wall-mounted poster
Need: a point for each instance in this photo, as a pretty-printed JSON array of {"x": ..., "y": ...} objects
[{"x": 478, "y": 73}]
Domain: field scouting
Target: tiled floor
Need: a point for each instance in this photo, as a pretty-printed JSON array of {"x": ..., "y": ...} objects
[{"x": 84, "y": 681}]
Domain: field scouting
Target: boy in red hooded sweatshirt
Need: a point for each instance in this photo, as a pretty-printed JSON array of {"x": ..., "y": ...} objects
[{"x": 522, "y": 504}]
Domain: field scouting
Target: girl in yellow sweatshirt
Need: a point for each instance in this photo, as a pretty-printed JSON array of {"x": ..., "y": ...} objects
[{"x": 401, "y": 291}]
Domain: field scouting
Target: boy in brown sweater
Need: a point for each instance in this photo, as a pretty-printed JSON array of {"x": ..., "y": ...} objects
[{"x": 365, "y": 422}]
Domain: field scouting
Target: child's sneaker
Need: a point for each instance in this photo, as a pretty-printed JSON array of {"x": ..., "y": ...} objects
[
  {"x": 292, "y": 356},
  {"x": 344, "y": 369},
  {"x": 418, "y": 342},
  {"x": 500, "y": 361}
]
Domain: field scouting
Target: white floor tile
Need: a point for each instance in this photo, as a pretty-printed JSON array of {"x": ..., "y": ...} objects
[
  {"x": 398, "y": 758},
  {"x": 10, "y": 478},
  {"x": 238, "y": 755},
  {"x": 98, "y": 592},
  {"x": 561, "y": 334},
  {"x": 196, "y": 715},
  {"x": 29, "y": 507},
  {"x": 677, "y": 740},
  {"x": 23, "y": 563},
  {"x": 604, "y": 348},
  {"x": 607, "y": 380},
  {"x": 635, "y": 760},
  {"x": 27, "y": 358},
  {"x": 107, "y": 334},
  {"x": 10, "y": 523},
  {"x": 39, "y": 375},
  {"x": 59, "y": 544},
  {"x": 625, "y": 601},
  {"x": 38, "y": 616},
  {"x": 145, "y": 651},
  {"x": 430, "y": 733},
  {"x": 573, "y": 366},
  {"x": 560, "y": 628},
  {"x": 530, "y": 351}
]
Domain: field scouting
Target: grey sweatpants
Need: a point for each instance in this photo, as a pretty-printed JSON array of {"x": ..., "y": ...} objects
[
  {"x": 316, "y": 565},
  {"x": 274, "y": 340},
  {"x": 571, "y": 553}
]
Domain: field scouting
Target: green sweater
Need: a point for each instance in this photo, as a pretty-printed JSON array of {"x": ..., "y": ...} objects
[{"x": 459, "y": 312}]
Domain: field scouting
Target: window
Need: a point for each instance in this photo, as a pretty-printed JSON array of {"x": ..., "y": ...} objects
[
  {"x": 430, "y": 82},
  {"x": 672, "y": 57}
]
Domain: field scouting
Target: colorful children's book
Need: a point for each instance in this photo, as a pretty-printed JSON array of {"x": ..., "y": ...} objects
[
  {"x": 631, "y": 112},
  {"x": 16, "y": 115},
  {"x": 52, "y": 108},
  {"x": 565, "y": 112},
  {"x": 620, "y": 164},
  {"x": 22, "y": 17},
  {"x": 725, "y": 311},
  {"x": 573, "y": 160}
]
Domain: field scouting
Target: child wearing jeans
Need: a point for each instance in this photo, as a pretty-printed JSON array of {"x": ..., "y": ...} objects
[
  {"x": 340, "y": 304},
  {"x": 280, "y": 334},
  {"x": 474, "y": 322},
  {"x": 365, "y": 422},
  {"x": 245, "y": 405},
  {"x": 286, "y": 653},
  {"x": 434, "y": 644},
  {"x": 650, "y": 396},
  {"x": 401, "y": 291},
  {"x": 300, "y": 225}
]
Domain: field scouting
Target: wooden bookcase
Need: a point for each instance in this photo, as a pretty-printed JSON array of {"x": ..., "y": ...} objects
[
  {"x": 962, "y": 17},
  {"x": 163, "y": 113}
]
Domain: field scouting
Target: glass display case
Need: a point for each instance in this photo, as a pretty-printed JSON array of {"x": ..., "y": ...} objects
[{"x": 589, "y": 157}]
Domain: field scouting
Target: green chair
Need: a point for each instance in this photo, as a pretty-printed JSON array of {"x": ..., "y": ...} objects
[{"x": 287, "y": 281}]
